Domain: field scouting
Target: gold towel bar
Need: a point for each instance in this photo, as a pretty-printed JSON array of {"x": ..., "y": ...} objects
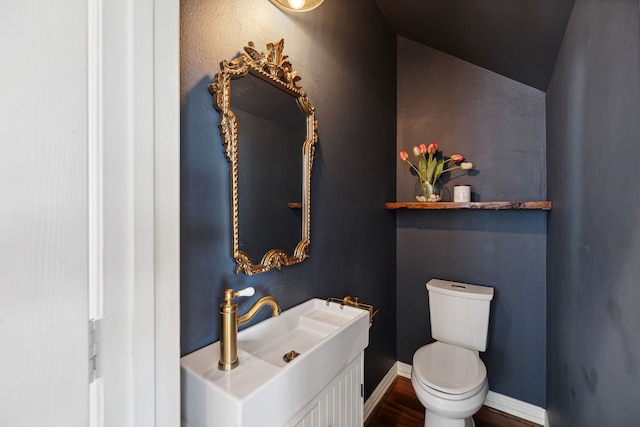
[{"x": 355, "y": 303}]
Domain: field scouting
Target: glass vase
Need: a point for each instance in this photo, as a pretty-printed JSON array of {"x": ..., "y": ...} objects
[{"x": 425, "y": 192}]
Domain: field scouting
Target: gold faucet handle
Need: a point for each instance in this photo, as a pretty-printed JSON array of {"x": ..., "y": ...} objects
[{"x": 230, "y": 294}]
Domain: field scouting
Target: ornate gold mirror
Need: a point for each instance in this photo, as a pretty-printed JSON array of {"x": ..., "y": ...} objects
[{"x": 269, "y": 133}]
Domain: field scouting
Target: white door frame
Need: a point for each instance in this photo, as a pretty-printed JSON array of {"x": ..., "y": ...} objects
[
  {"x": 166, "y": 107},
  {"x": 136, "y": 57},
  {"x": 156, "y": 327}
]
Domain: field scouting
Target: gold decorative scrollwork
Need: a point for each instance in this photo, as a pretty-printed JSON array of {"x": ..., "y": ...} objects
[
  {"x": 275, "y": 69},
  {"x": 274, "y": 63}
]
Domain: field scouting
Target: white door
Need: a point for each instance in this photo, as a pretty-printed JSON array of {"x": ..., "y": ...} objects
[
  {"x": 89, "y": 212},
  {"x": 44, "y": 214}
]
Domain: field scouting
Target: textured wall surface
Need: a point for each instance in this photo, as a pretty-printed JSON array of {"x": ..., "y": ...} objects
[
  {"x": 498, "y": 124},
  {"x": 345, "y": 53},
  {"x": 593, "y": 106},
  {"x": 514, "y": 38}
]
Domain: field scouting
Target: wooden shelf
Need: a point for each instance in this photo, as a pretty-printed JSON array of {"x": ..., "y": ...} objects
[{"x": 539, "y": 205}]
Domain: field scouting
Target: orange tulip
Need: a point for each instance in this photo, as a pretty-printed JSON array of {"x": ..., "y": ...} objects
[
  {"x": 432, "y": 148},
  {"x": 456, "y": 158}
]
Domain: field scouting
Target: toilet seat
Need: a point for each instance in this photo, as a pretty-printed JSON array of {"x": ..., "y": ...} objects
[{"x": 448, "y": 371}]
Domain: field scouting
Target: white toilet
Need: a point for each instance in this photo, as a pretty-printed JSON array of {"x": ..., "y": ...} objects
[{"x": 448, "y": 376}]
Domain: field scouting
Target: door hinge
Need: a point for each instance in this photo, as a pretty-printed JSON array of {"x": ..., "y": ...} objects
[
  {"x": 362, "y": 390},
  {"x": 94, "y": 337}
]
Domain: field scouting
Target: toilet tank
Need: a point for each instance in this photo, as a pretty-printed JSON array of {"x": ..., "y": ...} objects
[{"x": 459, "y": 313}]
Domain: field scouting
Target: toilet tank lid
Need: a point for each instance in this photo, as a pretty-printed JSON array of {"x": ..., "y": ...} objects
[{"x": 456, "y": 288}]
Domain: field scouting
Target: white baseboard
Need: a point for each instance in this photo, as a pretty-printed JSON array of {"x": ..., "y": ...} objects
[
  {"x": 404, "y": 369},
  {"x": 516, "y": 407},
  {"x": 494, "y": 400},
  {"x": 380, "y": 390}
]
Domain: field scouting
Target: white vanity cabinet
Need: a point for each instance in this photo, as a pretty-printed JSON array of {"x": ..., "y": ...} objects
[
  {"x": 321, "y": 387},
  {"x": 340, "y": 404}
]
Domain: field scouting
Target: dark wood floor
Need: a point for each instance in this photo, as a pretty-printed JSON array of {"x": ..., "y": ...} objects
[{"x": 401, "y": 408}]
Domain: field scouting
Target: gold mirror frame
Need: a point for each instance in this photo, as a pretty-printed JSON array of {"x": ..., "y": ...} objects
[{"x": 273, "y": 68}]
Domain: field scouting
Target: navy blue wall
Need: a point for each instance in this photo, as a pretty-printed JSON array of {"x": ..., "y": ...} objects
[
  {"x": 499, "y": 125},
  {"x": 593, "y": 111},
  {"x": 345, "y": 53}
]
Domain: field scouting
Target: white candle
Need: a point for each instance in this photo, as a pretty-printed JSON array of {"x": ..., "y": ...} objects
[{"x": 462, "y": 193}]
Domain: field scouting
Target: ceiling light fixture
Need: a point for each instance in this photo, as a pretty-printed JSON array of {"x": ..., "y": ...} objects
[{"x": 297, "y": 5}]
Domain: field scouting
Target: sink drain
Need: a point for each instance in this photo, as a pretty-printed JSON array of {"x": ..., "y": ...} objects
[{"x": 288, "y": 357}]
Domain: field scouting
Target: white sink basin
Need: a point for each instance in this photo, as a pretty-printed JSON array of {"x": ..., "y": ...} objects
[{"x": 327, "y": 336}]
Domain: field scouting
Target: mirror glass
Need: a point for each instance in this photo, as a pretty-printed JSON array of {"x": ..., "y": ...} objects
[
  {"x": 272, "y": 131},
  {"x": 269, "y": 132}
]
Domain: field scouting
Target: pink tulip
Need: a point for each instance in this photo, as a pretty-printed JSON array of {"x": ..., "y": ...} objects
[
  {"x": 432, "y": 148},
  {"x": 404, "y": 155},
  {"x": 422, "y": 148},
  {"x": 416, "y": 151},
  {"x": 456, "y": 158}
]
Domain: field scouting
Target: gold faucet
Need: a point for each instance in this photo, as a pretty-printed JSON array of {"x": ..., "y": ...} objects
[{"x": 231, "y": 321}]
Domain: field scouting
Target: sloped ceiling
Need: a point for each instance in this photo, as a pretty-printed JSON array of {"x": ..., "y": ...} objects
[{"x": 518, "y": 39}]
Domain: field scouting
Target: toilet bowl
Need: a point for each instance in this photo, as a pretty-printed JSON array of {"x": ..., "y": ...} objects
[
  {"x": 447, "y": 375},
  {"x": 450, "y": 382}
]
